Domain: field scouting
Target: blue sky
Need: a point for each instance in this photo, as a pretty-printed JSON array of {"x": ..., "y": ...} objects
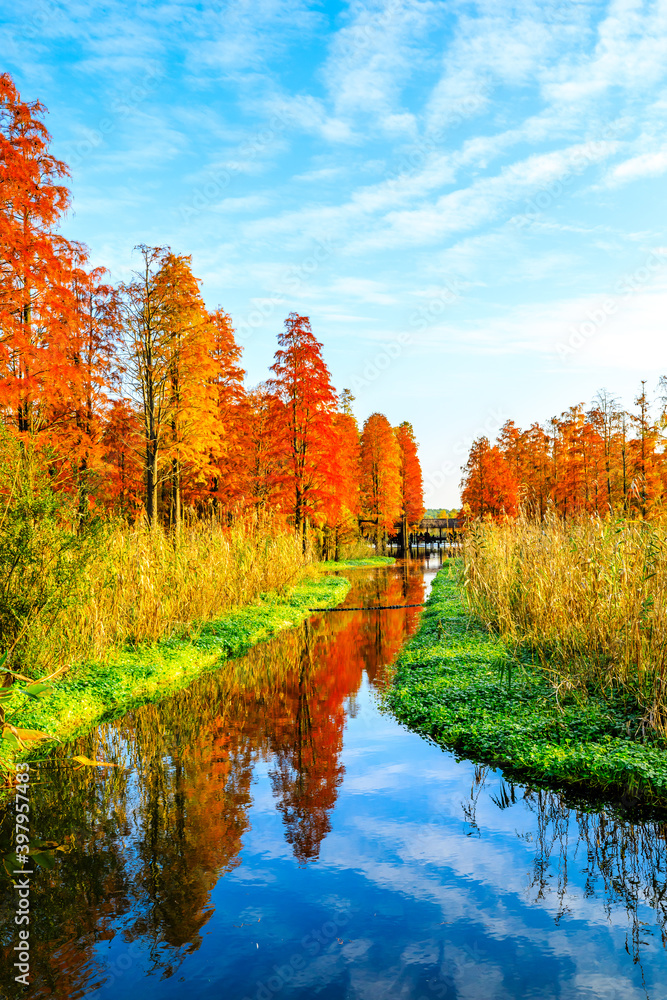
[{"x": 468, "y": 200}]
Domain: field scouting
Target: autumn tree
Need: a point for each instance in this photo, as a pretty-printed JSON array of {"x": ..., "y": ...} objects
[
  {"x": 412, "y": 485},
  {"x": 262, "y": 462},
  {"x": 489, "y": 488},
  {"x": 79, "y": 414},
  {"x": 303, "y": 416},
  {"x": 604, "y": 417},
  {"x": 342, "y": 510},
  {"x": 39, "y": 270},
  {"x": 172, "y": 371},
  {"x": 538, "y": 471},
  {"x": 227, "y": 447},
  {"x": 143, "y": 303},
  {"x": 380, "y": 477},
  {"x": 599, "y": 461},
  {"x": 187, "y": 345},
  {"x": 122, "y": 488},
  {"x": 646, "y": 483}
]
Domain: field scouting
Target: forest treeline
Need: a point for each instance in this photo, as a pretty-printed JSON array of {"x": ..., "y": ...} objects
[
  {"x": 598, "y": 461},
  {"x": 566, "y": 551},
  {"x": 132, "y": 395}
]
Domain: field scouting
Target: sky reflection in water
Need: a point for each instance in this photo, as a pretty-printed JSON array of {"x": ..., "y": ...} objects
[{"x": 274, "y": 835}]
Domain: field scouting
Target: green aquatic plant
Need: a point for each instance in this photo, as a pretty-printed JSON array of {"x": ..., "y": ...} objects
[{"x": 463, "y": 685}]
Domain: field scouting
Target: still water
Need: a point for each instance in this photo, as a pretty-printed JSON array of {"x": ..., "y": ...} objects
[{"x": 272, "y": 834}]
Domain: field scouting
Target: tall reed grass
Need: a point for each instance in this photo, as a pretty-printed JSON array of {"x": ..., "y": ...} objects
[
  {"x": 73, "y": 590},
  {"x": 139, "y": 586},
  {"x": 589, "y": 597}
]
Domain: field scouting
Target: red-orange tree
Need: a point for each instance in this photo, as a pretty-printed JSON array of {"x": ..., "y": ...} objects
[
  {"x": 39, "y": 271},
  {"x": 412, "y": 484},
  {"x": 489, "y": 488},
  {"x": 227, "y": 449},
  {"x": 342, "y": 512},
  {"x": 303, "y": 413},
  {"x": 380, "y": 477}
]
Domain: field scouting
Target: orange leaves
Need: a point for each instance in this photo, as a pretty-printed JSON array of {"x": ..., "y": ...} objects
[
  {"x": 380, "y": 474},
  {"x": 489, "y": 487},
  {"x": 39, "y": 305},
  {"x": 412, "y": 485},
  {"x": 135, "y": 394},
  {"x": 303, "y": 409},
  {"x": 599, "y": 461}
]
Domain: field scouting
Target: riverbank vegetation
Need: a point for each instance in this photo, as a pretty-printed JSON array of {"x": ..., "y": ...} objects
[
  {"x": 586, "y": 598},
  {"x": 133, "y": 675},
  {"x": 471, "y": 690},
  {"x": 548, "y": 656},
  {"x": 565, "y": 547}
]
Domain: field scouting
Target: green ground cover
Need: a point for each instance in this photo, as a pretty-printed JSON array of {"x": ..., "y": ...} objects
[
  {"x": 95, "y": 692},
  {"x": 366, "y": 563},
  {"x": 458, "y": 684}
]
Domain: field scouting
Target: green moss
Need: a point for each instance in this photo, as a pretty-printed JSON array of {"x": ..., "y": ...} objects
[
  {"x": 94, "y": 692},
  {"x": 358, "y": 563},
  {"x": 458, "y": 684}
]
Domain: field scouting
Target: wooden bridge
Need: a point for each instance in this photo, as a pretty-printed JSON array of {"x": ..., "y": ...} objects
[
  {"x": 433, "y": 531},
  {"x": 430, "y": 532}
]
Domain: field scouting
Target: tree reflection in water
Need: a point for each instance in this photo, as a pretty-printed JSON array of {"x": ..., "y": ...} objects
[
  {"x": 624, "y": 862},
  {"x": 149, "y": 842}
]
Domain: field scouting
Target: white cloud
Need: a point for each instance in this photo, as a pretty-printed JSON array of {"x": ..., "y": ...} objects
[
  {"x": 247, "y": 203},
  {"x": 644, "y": 165},
  {"x": 309, "y": 114},
  {"x": 375, "y": 53}
]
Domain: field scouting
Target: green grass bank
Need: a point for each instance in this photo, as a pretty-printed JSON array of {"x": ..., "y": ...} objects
[
  {"x": 365, "y": 563},
  {"x": 96, "y": 692},
  {"x": 460, "y": 685}
]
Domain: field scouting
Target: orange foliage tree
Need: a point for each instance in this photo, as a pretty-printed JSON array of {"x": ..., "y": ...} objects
[
  {"x": 227, "y": 452},
  {"x": 135, "y": 395},
  {"x": 304, "y": 404},
  {"x": 342, "y": 510},
  {"x": 489, "y": 487},
  {"x": 600, "y": 461},
  {"x": 380, "y": 477},
  {"x": 412, "y": 485}
]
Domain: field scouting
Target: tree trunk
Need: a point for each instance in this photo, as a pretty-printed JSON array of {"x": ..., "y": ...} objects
[
  {"x": 175, "y": 506},
  {"x": 151, "y": 480}
]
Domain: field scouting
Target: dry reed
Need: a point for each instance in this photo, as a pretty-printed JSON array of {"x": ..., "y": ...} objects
[
  {"x": 589, "y": 597},
  {"x": 141, "y": 587}
]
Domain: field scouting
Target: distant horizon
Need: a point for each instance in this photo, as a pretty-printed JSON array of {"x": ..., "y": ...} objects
[{"x": 468, "y": 203}]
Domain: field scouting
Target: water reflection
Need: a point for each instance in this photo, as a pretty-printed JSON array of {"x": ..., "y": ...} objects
[
  {"x": 622, "y": 863},
  {"x": 270, "y": 812}
]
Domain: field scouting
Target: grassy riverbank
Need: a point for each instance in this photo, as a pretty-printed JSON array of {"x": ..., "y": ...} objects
[
  {"x": 366, "y": 563},
  {"x": 461, "y": 684},
  {"x": 96, "y": 691},
  {"x": 587, "y": 596}
]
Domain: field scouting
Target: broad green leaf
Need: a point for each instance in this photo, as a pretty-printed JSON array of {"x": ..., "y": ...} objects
[
  {"x": 11, "y": 863},
  {"x": 45, "y": 859},
  {"x": 38, "y": 690}
]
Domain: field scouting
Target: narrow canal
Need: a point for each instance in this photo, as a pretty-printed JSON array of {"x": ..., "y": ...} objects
[{"x": 271, "y": 833}]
